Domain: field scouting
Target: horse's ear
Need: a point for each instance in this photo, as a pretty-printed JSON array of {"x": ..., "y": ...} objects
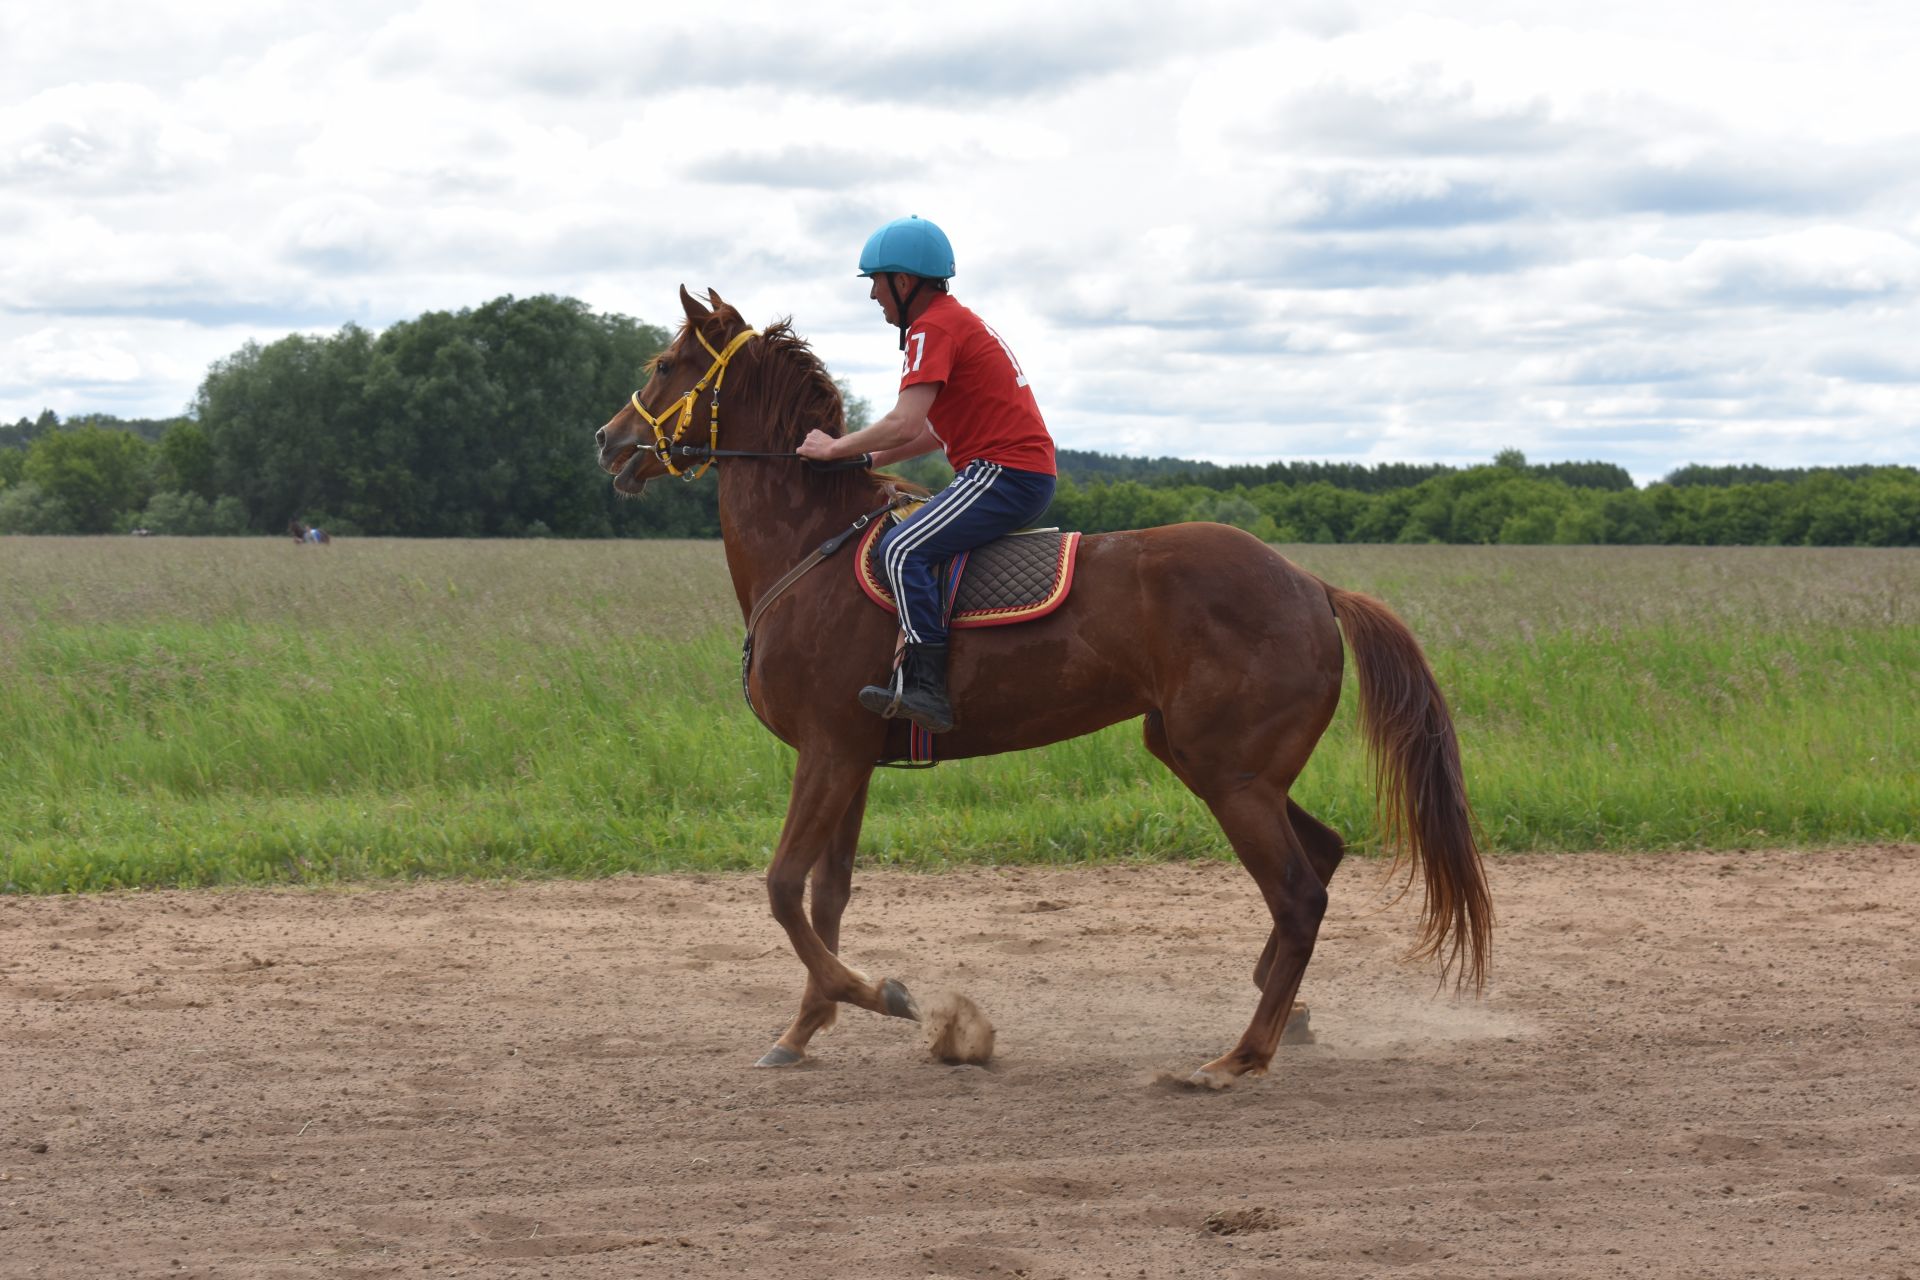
[
  {"x": 695, "y": 312},
  {"x": 713, "y": 298}
]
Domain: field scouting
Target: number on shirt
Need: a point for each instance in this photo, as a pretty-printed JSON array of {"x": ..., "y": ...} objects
[
  {"x": 919, "y": 341},
  {"x": 1019, "y": 375}
]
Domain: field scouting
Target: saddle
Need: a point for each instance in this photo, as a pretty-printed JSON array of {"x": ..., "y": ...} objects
[{"x": 1016, "y": 578}]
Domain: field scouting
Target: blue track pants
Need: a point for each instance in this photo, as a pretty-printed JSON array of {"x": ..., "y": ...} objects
[{"x": 984, "y": 501}]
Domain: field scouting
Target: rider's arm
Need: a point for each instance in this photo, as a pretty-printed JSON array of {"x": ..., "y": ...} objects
[
  {"x": 904, "y": 424},
  {"x": 927, "y": 443}
]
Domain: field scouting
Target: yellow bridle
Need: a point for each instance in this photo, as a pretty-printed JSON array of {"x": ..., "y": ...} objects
[{"x": 716, "y": 374}]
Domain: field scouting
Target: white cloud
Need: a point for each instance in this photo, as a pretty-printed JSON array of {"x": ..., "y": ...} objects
[
  {"x": 102, "y": 140},
  {"x": 1820, "y": 264}
]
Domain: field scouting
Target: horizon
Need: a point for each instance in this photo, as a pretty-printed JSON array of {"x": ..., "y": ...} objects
[{"x": 88, "y": 417}]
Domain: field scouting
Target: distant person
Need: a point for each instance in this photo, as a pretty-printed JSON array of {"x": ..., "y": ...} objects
[{"x": 961, "y": 389}]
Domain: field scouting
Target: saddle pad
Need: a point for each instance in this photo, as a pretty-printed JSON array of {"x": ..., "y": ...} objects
[{"x": 1012, "y": 579}]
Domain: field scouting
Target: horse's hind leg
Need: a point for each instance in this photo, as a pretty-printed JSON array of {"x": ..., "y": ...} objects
[
  {"x": 832, "y": 886},
  {"x": 1321, "y": 845},
  {"x": 1254, "y": 821},
  {"x": 1324, "y": 850}
]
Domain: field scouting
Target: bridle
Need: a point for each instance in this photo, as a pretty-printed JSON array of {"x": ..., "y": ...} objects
[
  {"x": 665, "y": 446},
  {"x": 668, "y": 447}
]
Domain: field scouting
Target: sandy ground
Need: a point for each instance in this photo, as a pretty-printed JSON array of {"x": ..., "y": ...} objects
[{"x": 1694, "y": 1065}]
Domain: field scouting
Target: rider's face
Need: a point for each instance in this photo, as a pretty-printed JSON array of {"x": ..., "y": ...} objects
[
  {"x": 882, "y": 295},
  {"x": 885, "y": 297}
]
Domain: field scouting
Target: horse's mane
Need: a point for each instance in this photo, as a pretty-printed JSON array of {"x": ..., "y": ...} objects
[{"x": 794, "y": 392}]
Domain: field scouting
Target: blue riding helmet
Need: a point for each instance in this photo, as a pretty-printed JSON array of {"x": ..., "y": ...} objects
[{"x": 912, "y": 246}]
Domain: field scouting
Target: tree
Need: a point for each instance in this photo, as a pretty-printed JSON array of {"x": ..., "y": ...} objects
[
  {"x": 1628, "y": 519},
  {"x": 285, "y": 423},
  {"x": 1580, "y": 524},
  {"x": 26, "y": 508},
  {"x": 469, "y": 423},
  {"x": 190, "y": 515},
  {"x": 1890, "y": 508},
  {"x": 1586, "y": 475},
  {"x": 186, "y": 462},
  {"x": 94, "y": 474},
  {"x": 24, "y": 432},
  {"x": 1316, "y": 512},
  {"x": 176, "y": 513}
]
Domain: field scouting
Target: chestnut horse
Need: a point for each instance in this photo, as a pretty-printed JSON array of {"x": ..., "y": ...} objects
[{"x": 1229, "y": 653}]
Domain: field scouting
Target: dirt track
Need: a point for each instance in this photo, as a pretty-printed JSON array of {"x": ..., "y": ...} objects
[{"x": 1699, "y": 1065}]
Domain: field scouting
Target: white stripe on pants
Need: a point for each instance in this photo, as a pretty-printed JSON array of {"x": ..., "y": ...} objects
[{"x": 949, "y": 505}]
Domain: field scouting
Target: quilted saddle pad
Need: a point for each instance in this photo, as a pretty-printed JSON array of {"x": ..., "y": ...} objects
[{"x": 1012, "y": 579}]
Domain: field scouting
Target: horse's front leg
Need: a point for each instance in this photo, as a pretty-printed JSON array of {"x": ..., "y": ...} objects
[
  {"x": 820, "y": 814},
  {"x": 832, "y": 886}
]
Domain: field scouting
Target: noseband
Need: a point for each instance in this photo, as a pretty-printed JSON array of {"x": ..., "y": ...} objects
[{"x": 664, "y": 446}]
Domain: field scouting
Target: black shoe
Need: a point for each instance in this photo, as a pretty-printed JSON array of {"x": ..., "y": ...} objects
[
  {"x": 883, "y": 699},
  {"x": 918, "y": 690}
]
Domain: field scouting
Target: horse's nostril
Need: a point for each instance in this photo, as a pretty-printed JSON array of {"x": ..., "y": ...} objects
[{"x": 600, "y": 437}]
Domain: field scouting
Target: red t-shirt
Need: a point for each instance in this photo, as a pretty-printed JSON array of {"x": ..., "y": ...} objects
[{"x": 984, "y": 409}]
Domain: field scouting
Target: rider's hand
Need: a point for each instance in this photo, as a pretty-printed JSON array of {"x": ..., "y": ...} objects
[{"x": 818, "y": 446}]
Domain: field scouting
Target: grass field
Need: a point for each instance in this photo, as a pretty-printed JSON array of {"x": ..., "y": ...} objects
[{"x": 183, "y": 711}]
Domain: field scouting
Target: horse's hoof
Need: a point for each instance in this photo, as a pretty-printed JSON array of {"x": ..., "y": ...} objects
[
  {"x": 896, "y": 1002},
  {"x": 1223, "y": 1073},
  {"x": 1299, "y": 1028},
  {"x": 780, "y": 1056}
]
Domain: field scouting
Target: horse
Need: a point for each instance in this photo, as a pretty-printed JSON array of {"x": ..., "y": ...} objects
[
  {"x": 304, "y": 533},
  {"x": 1228, "y": 653}
]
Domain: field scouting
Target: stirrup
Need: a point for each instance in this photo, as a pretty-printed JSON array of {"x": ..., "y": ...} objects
[{"x": 884, "y": 700}]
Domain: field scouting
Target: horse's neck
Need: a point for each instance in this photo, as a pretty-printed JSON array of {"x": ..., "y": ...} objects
[{"x": 771, "y": 519}]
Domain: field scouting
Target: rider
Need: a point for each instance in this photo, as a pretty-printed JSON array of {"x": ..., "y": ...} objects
[{"x": 959, "y": 374}]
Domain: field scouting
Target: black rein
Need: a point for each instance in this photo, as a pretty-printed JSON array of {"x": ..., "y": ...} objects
[{"x": 698, "y": 453}]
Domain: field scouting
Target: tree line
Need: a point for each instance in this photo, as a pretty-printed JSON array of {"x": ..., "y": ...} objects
[
  {"x": 1512, "y": 502},
  {"x": 477, "y": 423}
]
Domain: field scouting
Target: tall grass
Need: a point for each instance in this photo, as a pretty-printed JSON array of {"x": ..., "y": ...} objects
[{"x": 189, "y": 712}]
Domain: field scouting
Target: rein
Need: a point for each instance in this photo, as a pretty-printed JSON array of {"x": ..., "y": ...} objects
[
  {"x": 794, "y": 575},
  {"x": 790, "y": 455}
]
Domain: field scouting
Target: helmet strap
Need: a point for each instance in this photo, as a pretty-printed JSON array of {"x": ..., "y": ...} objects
[{"x": 899, "y": 307}]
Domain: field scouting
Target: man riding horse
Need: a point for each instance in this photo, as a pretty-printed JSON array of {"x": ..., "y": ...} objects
[
  {"x": 956, "y": 372},
  {"x": 1228, "y": 655}
]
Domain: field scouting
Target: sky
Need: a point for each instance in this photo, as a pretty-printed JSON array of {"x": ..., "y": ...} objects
[{"x": 1644, "y": 233}]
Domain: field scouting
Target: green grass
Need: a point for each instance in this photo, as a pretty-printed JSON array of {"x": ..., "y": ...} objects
[{"x": 185, "y": 712}]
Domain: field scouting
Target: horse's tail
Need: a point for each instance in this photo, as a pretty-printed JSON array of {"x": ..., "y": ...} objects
[{"x": 1420, "y": 797}]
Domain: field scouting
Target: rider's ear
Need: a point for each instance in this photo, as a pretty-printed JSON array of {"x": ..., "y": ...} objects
[{"x": 695, "y": 312}]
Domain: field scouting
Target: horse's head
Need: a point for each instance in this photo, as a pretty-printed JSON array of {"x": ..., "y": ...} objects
[{"x": 676, "y": 404}]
